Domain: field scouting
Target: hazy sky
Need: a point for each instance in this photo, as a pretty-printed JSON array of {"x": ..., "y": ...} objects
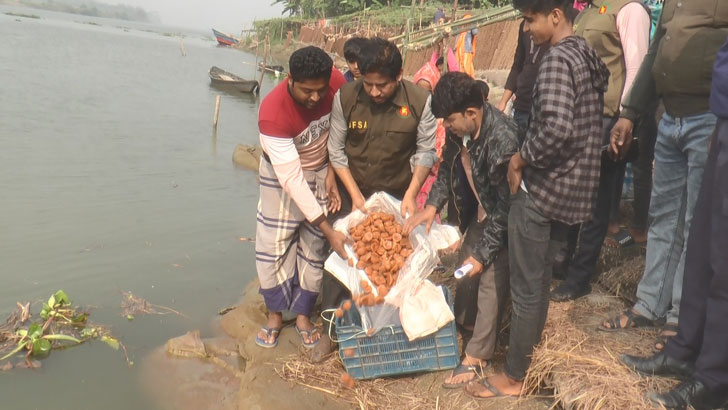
[{"x": 225, "y": 15}]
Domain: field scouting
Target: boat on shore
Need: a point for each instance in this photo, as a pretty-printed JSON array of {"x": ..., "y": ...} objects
[
  {"x": 223, "y": 79},
  {"x": 279, "y": 69},
  {"x": 225, "y": 39}
]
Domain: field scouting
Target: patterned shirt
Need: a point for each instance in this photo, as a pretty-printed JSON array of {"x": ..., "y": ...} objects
[{"x": 563, "y": 144}]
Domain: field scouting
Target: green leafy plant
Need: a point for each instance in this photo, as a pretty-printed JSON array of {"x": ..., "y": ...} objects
[{"x": 63, "y": 326}]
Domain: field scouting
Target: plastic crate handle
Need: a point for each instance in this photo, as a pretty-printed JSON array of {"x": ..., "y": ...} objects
[{"x": 331, "y": 323}]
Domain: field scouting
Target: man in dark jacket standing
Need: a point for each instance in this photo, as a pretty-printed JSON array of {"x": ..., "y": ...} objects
[
  {"x": 699, "y": 352},
  {"x": 480, "y": 141}
]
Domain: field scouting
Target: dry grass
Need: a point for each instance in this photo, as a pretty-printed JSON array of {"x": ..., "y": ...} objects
[
  {"x": 582, "y": 364},
  {"x": 422, "y": 391},
  {"x": 622, "y": 280},
  {"x": 379, "y": 394}
]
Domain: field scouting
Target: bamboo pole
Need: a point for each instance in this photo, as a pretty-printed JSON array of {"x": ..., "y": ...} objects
[
  {"x": 266, "y": 51},
  {"x": 405, "y": 43},
  {"x": 497, "y": 15},
  {"x": 217, "y": 113}
]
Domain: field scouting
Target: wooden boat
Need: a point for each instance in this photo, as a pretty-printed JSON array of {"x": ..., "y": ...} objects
[
  {"x": 272, "y": 68},
  {"x": 222, "y": 78},
  {"x": 225, "y": 39}
]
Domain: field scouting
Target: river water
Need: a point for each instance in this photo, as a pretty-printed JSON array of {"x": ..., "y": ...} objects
[{"x": 112, "y": 179}]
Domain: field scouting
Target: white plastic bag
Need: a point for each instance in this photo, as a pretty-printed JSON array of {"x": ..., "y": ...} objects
[
  {"x": 417, "y": 266},
  {"x": 424, "y": 311}
]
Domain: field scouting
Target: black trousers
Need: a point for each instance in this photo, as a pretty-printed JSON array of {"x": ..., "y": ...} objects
[
  {"x": 703, "y": 331},
  {"x": 591, "y": 237},
  {"x": 533, "y": 240}
]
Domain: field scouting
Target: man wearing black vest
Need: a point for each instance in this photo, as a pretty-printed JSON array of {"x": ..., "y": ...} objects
[{"x": 381, "y": 138}]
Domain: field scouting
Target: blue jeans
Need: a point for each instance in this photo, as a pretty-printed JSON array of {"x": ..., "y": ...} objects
[
  {"x": 681, "y": 153},
  {"x": 523, "y": 120}
]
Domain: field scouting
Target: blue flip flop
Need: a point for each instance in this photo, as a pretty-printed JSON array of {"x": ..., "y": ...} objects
[
  {"x": 307, "y": 334},
  {"x": 269, "y": 331}
]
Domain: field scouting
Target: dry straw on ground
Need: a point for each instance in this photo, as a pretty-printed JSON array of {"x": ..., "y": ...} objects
[
  {"x": 377, "y": 394},
  {"x": 422, "y": 391},
  {"x": 622, "y": 280},
  {"x": 581, "y": 364}
]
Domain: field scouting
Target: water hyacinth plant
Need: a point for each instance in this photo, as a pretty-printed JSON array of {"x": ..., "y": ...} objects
[{"x": 63, "y": 326}]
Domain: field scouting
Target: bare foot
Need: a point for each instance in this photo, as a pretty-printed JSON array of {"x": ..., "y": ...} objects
[
  {"x": 494, "y": 386},
  {"x": 667, "y": 333},
  {"x": 478, "y": 364},
  {"x": 275, "y": 321},
  {"x": 639, "y": 235},
  {"x": 303, "y": 323}
]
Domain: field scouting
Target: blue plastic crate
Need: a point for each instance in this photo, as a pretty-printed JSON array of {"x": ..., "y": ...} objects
[{"x": 390, "y": 353}]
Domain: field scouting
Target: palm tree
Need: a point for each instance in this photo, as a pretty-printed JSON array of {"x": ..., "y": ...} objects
[{"x": 292, "y": 7}]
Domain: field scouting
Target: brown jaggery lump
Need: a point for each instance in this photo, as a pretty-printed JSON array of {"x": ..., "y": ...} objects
[{"x": 381, "y": 250}]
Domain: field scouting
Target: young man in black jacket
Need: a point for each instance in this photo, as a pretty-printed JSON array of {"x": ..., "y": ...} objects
[{"x": 472, "y": 176}]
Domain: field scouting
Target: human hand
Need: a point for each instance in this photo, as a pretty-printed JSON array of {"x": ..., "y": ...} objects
[
  {"x": 332, "y": 193},
  {"x": 621, "y": 138},
  {"x": 502, "y": 105},
  {"x": 515, "y": 172},
  {"x": 426, "y": 216},
  {"x": 477, "y": 266},
  {"x": 409, "y": 206},
  {"x": 338, "y": 243},
  {"x": 358, "y": 202}
]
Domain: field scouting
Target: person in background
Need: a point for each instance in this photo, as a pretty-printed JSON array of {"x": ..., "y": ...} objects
[
  {"x": 552, "y": 179},
  {"x": 619, "y": 31},
  {"x": 481, "y": 140},
  {"x": 352, "y": 48},
  {"x": 522, "y": 77},
  {"x": 646, "y": 134},
  {"x": 439, "y": 16},
  {"x": 382, "y": 138},
  {"x": 296, "y": 184},
  {"x": 465, "y": 50},
  {"x": 427, "y": 78},
  {"x": 698, "y": 354},
  {"x": 678, "y": 68}
]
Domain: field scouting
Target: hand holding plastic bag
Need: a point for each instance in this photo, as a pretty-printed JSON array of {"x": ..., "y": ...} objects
[{"x": 416, "y": 268}]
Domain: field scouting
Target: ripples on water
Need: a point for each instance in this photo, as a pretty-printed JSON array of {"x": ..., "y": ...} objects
[{"x": 112, "y": 180}]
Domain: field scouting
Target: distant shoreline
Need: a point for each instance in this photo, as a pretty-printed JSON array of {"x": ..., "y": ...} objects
[{"x": 90, "y": 8}]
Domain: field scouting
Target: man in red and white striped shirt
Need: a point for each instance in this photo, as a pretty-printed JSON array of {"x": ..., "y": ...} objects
[{"x": 297, "y": 188}]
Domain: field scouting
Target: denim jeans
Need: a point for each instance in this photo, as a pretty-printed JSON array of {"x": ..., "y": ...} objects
[
  {"x": 681, "y": 152},
  {"x": 523, "y": 120},
  {"x": 646, "y": 132},
  {"x": 533, "y": 240}
]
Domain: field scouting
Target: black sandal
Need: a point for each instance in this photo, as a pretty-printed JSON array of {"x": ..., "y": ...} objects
[
  {"x": 634, "y": 321},
  {"x": 662, "y": 338},
  {"x": 462, "y": 369}
]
